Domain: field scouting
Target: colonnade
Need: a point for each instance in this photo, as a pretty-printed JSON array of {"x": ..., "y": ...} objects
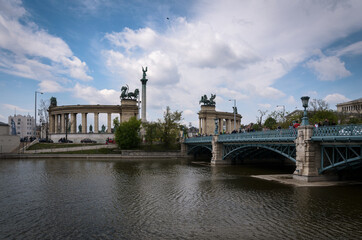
[
  {"x": 58, "y": 122},
  {"x": 205, "y": 123}
]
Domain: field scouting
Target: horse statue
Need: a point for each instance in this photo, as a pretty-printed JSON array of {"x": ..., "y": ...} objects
[
  {"x": 124, "y": 92},
  {"x": 134, "y": 94},
  {"x": 208, "y": 102},
  {"x": 128, "y": 95}
]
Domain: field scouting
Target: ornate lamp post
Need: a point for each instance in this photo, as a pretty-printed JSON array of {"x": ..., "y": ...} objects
[
  {"x": 305, "y": 100},
  {"x": 35, "y": 109}
]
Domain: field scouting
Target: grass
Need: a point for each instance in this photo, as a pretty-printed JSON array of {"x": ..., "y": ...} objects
[{"x": 38, "y": 146}]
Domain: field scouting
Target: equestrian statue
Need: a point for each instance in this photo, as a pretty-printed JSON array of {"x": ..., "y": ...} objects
[{"x": 208, "y": 102}]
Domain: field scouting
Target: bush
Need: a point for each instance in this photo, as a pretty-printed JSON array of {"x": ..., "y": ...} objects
[{"x": 127, "y": 133}]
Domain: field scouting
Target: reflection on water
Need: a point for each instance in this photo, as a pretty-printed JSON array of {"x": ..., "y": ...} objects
[{"x": 52, "y": 199}]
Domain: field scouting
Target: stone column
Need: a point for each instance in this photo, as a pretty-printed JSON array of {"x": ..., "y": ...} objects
[
  {"x": 96, "y": 124},
  {"x": 56, "y": 123},
  {"x": 308, "y": 156},
  {"x": 73, "y": 123},
  {"x": 51, "y": 123},
  {"x": 227, "y": 127},
  {"x": 109, "y": 123},
  {"x": 84, "y": 122},
  {"x": 200, "y": 125},
  {"x": 62, "y": 120},
  {"x": 221, "y": 125},
  {"x": 144, "y": 99}
]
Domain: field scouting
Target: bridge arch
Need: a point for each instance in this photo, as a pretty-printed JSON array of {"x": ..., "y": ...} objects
[
  {"x": 199, "y": 148},
  {"x": 286, "y": 151}
]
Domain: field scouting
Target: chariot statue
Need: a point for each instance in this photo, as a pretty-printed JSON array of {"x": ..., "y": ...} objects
[
  {"x": 208, "y": 102},
  {"x": 125, "y": 94}
]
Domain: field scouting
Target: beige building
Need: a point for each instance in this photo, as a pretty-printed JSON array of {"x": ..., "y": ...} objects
[
  {"x": 208, "y": 115},
  {"x": 354, "y": 107},
  {"x": 8, "y": 143},
  {"x": 61, "y": 116}
]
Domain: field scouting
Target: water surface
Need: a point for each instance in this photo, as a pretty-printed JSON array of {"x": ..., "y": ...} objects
[{"x": 78, "y": 199}]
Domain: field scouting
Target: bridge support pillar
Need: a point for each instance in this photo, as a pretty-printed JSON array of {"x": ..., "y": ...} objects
[
  {"x": 217, "y": 152},
  {"x": 308, "y": 156}
]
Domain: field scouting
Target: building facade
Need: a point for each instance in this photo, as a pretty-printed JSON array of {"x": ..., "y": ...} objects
[
  {"x": 208, "y": 116},
  {"x": 24, "y": 125},
  {"x": 354, "y": 107}
]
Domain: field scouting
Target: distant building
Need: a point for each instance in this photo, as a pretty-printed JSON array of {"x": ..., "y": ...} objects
[
  {"x": 8, "y": 143},
  {"x": 24, "y": 125},
  {"x": 354, "y": 107}
]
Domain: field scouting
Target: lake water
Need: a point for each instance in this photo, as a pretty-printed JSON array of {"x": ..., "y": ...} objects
[{"x": 167, "y": 199}]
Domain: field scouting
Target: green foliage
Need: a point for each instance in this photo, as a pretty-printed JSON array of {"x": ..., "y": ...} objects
[
  {"x": 90, "y": 128},
  {"x": 321, "y": 115},
  {"x": 80, "y": 128},
  {"x": 170, "y": 127},
  {"x": 153, "y": 131},
  {"x": 355, "y": 120},
  {"x": 270, "y": 123},
  {"x": 257, "y": 127},
  {"x": 127, "y": 134}
]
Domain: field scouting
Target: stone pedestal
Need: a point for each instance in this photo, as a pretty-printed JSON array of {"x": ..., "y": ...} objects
[
  {"x": 307, "y": 155},
  {"x": 217, "y": 152},
  {"x": 129, "y": 109}
]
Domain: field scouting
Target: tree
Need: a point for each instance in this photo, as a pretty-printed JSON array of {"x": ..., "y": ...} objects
[
  {"x": 170, "y": 127},
  {"x": 318, "y": 105},
  {"x": 90, "y": 128},
  {"x": 80, "y": 128},
  {"x": 127, "y": 133},
  {"x": 153, "y": 131},
  {"x": 44, "y": 116},
  {"x": 259, "y": 120},
  {"x": 270, "y": 123}
]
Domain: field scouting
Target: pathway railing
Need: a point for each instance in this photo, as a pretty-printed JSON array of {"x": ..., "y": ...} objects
[
  {"x": 206, "y": 139},
  {"x": 338, "y": 133},
  {"x": 280, "y": 135}
]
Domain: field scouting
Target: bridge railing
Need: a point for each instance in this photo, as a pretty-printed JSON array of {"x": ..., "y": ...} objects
[
  {"x": 270, "y": 135},
  {"x": 338, "y": 132},
  {"x": 206, "y": 139}
]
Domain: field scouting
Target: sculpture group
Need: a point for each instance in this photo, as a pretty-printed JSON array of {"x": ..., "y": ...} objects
[
  {"x": 125, "y": 94},
  {"x": 208, "y": 102}
]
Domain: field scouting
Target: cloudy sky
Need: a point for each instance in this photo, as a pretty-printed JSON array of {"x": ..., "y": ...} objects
[{"x": 263, "y": 53}]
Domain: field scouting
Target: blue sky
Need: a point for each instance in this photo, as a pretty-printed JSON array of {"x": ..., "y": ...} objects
[{"x": 261, "y": 53}]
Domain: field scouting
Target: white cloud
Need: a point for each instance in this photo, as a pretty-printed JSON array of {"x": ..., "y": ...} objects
[
  {"x": 335, "y": 98},
  {"x": 31, "y": 52},
  {"x": 328, "y": 68},
  {"x": 264, "y": 105},
  {"x": 2, "y": 118},
  {"x": 352, "y": 49},
  {"x": 95, "y": 96}
]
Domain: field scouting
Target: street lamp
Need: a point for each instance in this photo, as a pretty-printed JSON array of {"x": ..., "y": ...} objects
[
  {"x": 234, "y": 108},
  {"x": 305, "y": 100},
  {"x": 35, "y": 109}
]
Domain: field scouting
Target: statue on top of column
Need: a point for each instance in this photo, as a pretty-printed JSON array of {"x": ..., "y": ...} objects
[
  {"x": 144, "y": 72},
  {"x": 208, "y": 102}
]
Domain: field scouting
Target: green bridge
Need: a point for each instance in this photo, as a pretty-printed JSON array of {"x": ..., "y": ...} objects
[{"x": 315, "y": 151}]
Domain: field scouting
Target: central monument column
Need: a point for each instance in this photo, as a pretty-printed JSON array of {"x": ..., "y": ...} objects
[{"x": 144, "y": 81}]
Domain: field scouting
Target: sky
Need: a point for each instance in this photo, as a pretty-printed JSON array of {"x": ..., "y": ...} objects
[{"x": 265, "y": 54}]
